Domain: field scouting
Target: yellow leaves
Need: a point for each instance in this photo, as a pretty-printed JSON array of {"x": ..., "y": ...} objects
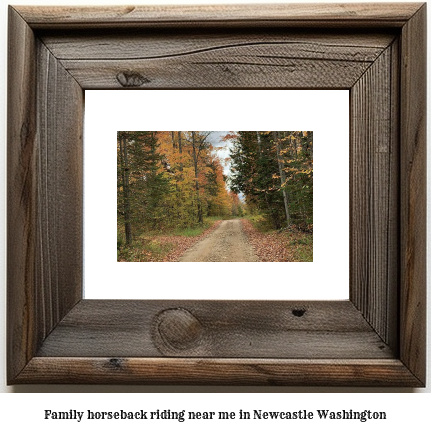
[{"x": 295, "y": 170}]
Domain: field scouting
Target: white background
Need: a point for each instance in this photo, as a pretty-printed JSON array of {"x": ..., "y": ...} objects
[
  {"x": 327, "y": 278},
  {"x": 25, "y": 410}
]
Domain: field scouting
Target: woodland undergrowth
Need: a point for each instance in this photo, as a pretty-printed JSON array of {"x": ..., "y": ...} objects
[
  {"x": 163, "y": 247},
  {"x": 287, "y": 245}
]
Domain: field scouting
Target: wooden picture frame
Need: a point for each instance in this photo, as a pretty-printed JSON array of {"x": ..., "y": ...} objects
[{"x": 376, "y": 338}]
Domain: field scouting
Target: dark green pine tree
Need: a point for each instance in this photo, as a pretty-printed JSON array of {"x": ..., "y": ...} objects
[
  {"x": 254, "y": 173},
  {"x": 298, "y": 165},
  {"x": 143, "y": 182},
  {"x": 124, "y": 213},
  {"x": 156, "y": 185}
]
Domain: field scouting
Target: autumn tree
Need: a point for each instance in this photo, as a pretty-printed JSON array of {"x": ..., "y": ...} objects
[
  {"x": 168, "y": 179},
  {"x": 143, "y": 186},
  {"x": 199, "y": 149}
]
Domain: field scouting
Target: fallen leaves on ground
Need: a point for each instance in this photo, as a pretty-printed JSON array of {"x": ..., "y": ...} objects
[
  {"x": 161, "y": 248},
  {"x": 269, "y": 247},
  {"x": 276, "y": 246},
  {"x": 180, "y": 244}
]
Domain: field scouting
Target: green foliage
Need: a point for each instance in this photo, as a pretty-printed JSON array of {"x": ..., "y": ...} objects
[
  {"x": 191, "y": 232},
  {"x": 142, "y": 187},
  {"x": 274, "y": 170},
  {"x": 155, "y": 245},
  {"x": 142, "y": 250},
  {"x": 173, "y": 182},
  {"x": 260, "y": 221},
  {"x": 302, "y": 246},
  {"x": 166, "y": 181}
]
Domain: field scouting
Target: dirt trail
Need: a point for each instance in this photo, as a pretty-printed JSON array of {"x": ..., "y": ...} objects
[{"x": 228, "y": 243}]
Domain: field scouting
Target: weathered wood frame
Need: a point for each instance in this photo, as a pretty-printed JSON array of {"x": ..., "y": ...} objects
[{"x": 377, "y": 338}]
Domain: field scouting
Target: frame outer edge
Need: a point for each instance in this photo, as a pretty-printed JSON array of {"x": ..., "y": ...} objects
[
  {"x": 21, "y": 194},
  {"x": 217, "y": 371},
  {"x": 293, "y": 14},
  {"x": 413, "y": 195},
  {"x": 21, "y": 200}
]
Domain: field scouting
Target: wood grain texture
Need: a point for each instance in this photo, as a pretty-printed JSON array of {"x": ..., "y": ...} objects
[
  {"x": 209, "y": 60},
  {"x": 413, "y": 194},
  {"x": 374, "y": 195},
  {"x": 300, "y": 15},
  {"x": 45, "y": 106},
  {"x": 55, "y": 337},
  {"x": 59, "y": 245},
  {"x": 146, "y": 45},
  {"x": 218, "y": 371},
  {"x": 241, "y": 329},
  {"x": 21, "y": 194},
  {"x": 392, "y": 306}
]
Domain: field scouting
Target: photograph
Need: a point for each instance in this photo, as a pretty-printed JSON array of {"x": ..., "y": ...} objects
[{"x": 215, "y": 196}]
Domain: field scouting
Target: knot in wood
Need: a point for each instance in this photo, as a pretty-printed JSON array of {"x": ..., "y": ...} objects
[
  {"x": 178, "y": 328},
  {"x": 298, "y": 312},
  {"x": 115, "y": 363},
  {"x": 131, "y": 79}
]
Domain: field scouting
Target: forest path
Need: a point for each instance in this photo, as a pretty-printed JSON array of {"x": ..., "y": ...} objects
[{"x": 228, "y": 243}]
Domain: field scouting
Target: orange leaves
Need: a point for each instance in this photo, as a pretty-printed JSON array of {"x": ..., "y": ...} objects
[
  {"x": 230, "y": 136},
  {"x": 268, "y": 246}
]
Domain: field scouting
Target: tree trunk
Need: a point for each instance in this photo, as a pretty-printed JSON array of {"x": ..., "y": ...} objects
[
  {"x": 180, "y": 149},
  {"x": 195, "y": 163},
  {"x": 282, "y": 176},
  {"x": 124, "y": 162},
  {"x": 265, "y": 192},
  {"x": 310, "y": 143}
]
